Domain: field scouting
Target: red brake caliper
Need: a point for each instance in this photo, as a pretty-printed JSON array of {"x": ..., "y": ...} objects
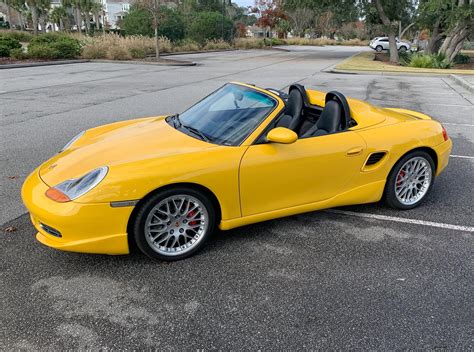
[
  {"x": 190, "y": 215},
  {"x": 400, "y": 176}
]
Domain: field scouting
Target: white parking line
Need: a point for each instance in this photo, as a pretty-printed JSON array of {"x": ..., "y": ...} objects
[
  {"x": 461, "y": 156},
  {"x": 457, "y": 124},
  {"x": 403, "y": 220}
]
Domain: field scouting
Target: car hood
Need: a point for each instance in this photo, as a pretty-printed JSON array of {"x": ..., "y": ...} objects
[{"x": 118, "y": 144}]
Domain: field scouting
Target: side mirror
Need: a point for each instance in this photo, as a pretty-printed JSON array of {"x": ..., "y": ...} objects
[{"x": 282, "y": 135}]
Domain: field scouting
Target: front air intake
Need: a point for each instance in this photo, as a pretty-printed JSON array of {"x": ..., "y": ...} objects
[
  {"x": 374, "y": 158},
  {"x": 52, "y": 231}
]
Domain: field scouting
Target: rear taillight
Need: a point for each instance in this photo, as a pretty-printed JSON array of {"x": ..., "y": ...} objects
[{"x": 445, "y": 134}]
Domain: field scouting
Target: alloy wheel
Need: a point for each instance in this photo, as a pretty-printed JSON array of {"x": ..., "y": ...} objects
[
  {"x": 413, "y": 181},
  {"x": 176, "y": 225}
]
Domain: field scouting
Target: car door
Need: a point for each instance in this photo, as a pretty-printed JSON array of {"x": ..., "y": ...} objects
[
  {"x": 385, "y": 44},
  {"x": 277, "y": 176}
]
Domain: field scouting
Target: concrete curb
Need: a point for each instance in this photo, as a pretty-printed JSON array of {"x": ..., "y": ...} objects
[
  {"x": 43, "y": 63},
  {"x": 387, "y": 73},
  {"x": 462, "y": 82},
  {"x": 137, "y": 62}
]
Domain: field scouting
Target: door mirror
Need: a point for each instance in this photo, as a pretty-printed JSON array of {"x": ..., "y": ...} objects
[{"x": 282, "y": 135}]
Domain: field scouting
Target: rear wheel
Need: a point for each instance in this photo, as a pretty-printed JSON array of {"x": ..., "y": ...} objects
[
  {"x": 174, "y": 224},
  {"x": 410, "y": 180},
  {"x": 378, "y": 48}
]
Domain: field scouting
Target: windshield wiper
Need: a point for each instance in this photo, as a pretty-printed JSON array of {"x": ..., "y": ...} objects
[
  {"x": 197, "y": 132},
  {"x": 178, "y": 124}
]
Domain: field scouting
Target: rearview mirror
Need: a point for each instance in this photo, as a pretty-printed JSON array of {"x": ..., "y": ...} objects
[{"x": 282, "y": 135}]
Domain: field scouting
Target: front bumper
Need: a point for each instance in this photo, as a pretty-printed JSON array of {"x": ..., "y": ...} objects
[
  {"x": 443, "y": 151},
  {"x": 83, "y": 227}
]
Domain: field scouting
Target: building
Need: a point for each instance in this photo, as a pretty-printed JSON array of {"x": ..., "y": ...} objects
[{"x": 114, "y": 11}]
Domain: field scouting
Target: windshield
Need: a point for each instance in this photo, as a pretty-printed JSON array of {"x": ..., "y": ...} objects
[{"x": 228, "y": 115}]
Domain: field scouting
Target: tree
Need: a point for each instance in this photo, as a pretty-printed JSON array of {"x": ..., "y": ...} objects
[
  {"x": 389, "y": 26},
  {"x": 451, "y": 20},
  {"x": 153, "y": 7},
  {"x": 33, "y": 7},
  {"x": 8, "y": 5},
  {"x": 58, "y": 16},
  {"x": 300, "y": 19},
  {"x": 269, "y": 13},
  {"x": 459, "y": 28},
  {"x": 209, "y": 25},
  {"x": 138, "y": 21}
]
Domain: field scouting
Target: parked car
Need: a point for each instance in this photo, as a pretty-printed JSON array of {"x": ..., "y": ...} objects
[
  {"x": 381, "y": 43},
  {"x": 241, "y": 155}
]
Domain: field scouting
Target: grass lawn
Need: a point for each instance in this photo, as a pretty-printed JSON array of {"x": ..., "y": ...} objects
[{"x": 364, "y": 61}]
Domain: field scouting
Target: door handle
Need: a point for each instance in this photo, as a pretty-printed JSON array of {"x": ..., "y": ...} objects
[{"x": 354, "y": 151}]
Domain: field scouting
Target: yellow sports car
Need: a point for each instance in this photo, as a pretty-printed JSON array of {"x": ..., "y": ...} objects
[{"x": 241, "y": 155}]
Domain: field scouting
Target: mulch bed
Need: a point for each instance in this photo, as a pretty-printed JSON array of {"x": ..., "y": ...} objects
[
  {"x": 469, "y": 66},
  {"x": 9, "y": 60}
]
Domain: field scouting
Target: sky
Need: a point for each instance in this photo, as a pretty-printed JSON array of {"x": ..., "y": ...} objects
[{"x": 244, "y": 2}]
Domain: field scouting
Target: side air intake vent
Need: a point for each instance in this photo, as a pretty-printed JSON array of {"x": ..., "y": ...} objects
[{"x": 374, "y": 158}]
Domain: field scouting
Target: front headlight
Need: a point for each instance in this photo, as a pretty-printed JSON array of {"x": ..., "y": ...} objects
[
  {"x": 79, "y": 135},
  {"x": 76, "y": 187}
]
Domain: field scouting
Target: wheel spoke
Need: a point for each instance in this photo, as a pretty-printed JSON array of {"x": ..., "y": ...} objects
[
  {"x": 176, "y": 224},
  {"x": 413, "y": 180}
]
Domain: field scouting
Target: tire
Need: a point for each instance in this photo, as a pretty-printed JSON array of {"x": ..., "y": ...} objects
[
  {"x": 378, "y": 48},
  {"x": 403, "y": 49},
  {"x": 400, "y": 180},
  {"x": 163, "y": 233}
]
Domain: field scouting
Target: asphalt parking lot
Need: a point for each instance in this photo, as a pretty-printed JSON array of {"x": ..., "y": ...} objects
[{"x": 365, "y": 277}]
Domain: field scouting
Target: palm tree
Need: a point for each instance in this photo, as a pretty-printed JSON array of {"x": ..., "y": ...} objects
[
  {"x": 57, "y": 16},
  {"x": 33, "y": 6},
  {"x": 96, "y": 8}
]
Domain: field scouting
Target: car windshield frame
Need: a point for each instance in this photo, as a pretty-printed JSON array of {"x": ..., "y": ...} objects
[{"x": 213, "y": 125}]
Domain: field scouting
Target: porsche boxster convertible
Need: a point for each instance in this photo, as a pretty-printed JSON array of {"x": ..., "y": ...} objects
[{"x": 241, "y": 155}]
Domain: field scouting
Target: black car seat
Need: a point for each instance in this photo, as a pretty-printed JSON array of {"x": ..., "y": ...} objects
[
  {"x": 293, "y": 116},
  {"x": 333, "y": 118}
]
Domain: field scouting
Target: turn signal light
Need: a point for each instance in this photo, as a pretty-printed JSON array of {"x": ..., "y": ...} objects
[
  {"x": 445, "y": 134},
  {"x": 57, "y": 195}
]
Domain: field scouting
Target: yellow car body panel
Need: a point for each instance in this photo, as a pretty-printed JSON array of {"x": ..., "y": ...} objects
[{"x": 252, "y": 182}]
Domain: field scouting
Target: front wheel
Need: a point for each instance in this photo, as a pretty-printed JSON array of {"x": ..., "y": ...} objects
[
  {"x": 403, "y": 49},
  {"x": 410, "y": 180},
  {"x": 378, "y": 48},
  {"x": 174, "y": 224}
]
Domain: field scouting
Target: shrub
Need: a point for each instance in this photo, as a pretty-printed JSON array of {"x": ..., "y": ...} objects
[
  {"x": 184, "y": 45},
  {"x": 462, "y": 59},
  {"x": 94, "y": 51},
  {"x": 4, "y": 51},
  {"x": 10, "y": 43},
  {"x": 60, "y": 46},
  {"x": 42, "y": 51},
  {"x": 18, "y": 54},
  {"x": 208, "y": 26},
  {"x": 216, "y": 44},
  {"x": 67, "y": 49},
  {"x": 277, "y": 41},
  {"x": 248, "y": 43},
  {"x": 118, "y": 53},
  {"x": 404, "y": 58},
  {"x": 21, "y": 36},
  {"x": 115, "y": 47},
  {"x": 421, "y": 61},
  {"x": 440, "y": 61}
]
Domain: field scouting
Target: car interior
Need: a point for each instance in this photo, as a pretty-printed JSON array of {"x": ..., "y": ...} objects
[{"x": 309, "y": 120}]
